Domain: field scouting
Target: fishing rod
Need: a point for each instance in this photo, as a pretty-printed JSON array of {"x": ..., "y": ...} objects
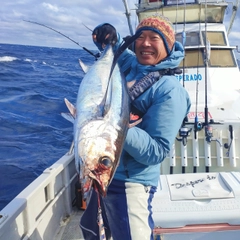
[
  {"x": 87, "y": 27},
  {"x": 43, "y": 25},
  {"x": 197, "y": 125},
  {"x": 208, "y": 128},
  {"x": 184, "y": 131},
  {"x": 184, "y": 143}
]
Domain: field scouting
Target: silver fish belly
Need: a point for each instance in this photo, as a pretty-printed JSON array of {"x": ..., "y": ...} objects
[{"x": 101, "y": 124}]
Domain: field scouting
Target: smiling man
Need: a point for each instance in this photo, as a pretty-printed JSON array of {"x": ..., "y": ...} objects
[
  {"x": 150, "y": 48},
  {"x": 162, "y": 103},
  {"x": 156, "y": 41}
]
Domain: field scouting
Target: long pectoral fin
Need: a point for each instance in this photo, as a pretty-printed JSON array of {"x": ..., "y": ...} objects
[
  {"x": 83, "y": 66},
  {"x": 68, "y": 116},
  {"x": 70, "y": 107}
]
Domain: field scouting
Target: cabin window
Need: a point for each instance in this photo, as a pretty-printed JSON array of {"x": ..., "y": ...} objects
[
  {"x": 215, "y": 15},
  {"x": 222, "y": 58},
  {"x": 192, "y": 38},
  {"x": 193, "y": 58},
  {"x": 215, "y": 38},
  {"x": 218, "y": 58}
]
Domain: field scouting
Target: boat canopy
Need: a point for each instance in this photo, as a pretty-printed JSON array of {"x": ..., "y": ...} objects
[{"x": 177, "y": 11}]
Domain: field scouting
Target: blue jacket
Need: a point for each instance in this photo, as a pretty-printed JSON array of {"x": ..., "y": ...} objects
[{"x": 164, "y": 104}]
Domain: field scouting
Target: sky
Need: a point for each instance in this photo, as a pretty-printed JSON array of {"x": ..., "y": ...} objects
[{"x": 73, "y": 18}]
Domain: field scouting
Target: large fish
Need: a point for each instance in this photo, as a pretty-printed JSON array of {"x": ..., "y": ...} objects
[{"x": 101, "y": 123}]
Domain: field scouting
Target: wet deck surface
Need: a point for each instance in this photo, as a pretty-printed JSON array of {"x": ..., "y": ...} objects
[{"x": 70, "y": 229}]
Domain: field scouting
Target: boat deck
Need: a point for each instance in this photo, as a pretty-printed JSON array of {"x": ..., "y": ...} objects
[{"x": 70, "y": 229}]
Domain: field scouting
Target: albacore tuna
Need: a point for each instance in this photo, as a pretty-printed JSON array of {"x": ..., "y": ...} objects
[{"x": 101, "y": 123}]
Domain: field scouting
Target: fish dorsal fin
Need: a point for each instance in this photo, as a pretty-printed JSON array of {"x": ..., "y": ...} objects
[
  {"x": 120, "y": 50},
  {"x": 83, "y": 66}
]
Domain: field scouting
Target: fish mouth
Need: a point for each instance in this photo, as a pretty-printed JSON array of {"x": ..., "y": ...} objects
[
  {"x": 99, "y": 178},
  {"x": 98, "y": 184},
  {"x": 92, "y": 181}
]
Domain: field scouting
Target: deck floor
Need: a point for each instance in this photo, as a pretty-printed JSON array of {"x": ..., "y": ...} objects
[{"x": 70, "y": 229}]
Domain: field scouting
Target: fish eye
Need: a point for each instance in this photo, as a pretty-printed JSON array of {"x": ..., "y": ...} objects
[{"x": 106, "y": 161}]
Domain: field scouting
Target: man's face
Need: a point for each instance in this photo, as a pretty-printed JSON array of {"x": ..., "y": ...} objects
[{"x": 149, "y": 48}]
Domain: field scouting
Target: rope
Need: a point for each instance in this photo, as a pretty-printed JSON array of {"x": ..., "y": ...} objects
[{"x": 102, "y": 235}]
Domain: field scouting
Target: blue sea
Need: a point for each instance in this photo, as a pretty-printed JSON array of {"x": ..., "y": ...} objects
[{"x": 33, "y": 135}]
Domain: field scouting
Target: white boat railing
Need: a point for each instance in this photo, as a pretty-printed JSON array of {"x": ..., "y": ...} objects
[{"x": 38, "y": 210}]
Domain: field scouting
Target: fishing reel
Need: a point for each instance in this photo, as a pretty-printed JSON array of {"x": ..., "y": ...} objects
[
  {"x": 184, "y": 132},
  {"x": 198, "y": 126},
  {"x": 208, "y": 133},
  {"x": 226, "y": 145}
]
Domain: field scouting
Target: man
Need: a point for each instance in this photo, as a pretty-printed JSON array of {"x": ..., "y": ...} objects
[{"x": 162, "y": 106}]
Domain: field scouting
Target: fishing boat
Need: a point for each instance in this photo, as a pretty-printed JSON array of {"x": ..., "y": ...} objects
[{"x": 198, "y": 196}]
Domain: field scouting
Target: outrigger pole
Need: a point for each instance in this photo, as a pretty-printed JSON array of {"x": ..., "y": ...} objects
[
  {"x": 128, "y": 17},
  {"x": 234, "y": 12},
  {"x": 43, "y": 25}
]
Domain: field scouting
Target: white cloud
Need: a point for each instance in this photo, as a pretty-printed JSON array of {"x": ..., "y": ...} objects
[
  {"x": 17, "y": 14},
  {"x": 50, "y": 7},
  {"x": 69, "y": 17}
]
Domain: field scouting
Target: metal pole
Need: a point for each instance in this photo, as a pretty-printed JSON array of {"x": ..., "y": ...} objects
[{"x": 128, "y": 14}]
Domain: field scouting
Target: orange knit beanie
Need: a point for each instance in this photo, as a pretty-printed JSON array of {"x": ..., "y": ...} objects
[{"x": 162, "y": 26}]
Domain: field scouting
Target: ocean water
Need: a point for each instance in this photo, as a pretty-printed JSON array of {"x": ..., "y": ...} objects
[{"x": 33, "y": 135}]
